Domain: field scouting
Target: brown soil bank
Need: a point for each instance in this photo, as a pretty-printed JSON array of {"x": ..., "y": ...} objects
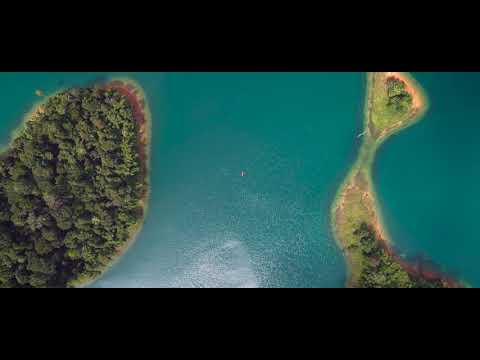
[
  {"x": 137, "y": 103},
  {"x": 356, "y": 201},
  {"x": 422, "y": 269},
  {"x": 133, "y": 93},
  {"x": 136, "y": 99}
]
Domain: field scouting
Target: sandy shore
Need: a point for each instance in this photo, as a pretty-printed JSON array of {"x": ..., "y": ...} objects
[
  {"x": 418, "y": 100},
  {"x": 356, "y": 197}
]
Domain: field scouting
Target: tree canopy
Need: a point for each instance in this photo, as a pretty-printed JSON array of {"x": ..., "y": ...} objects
[
  {"x": 380, "y": 270},
  {"x": 399, "y": 100},
  {"x": 71, "y": 190}
]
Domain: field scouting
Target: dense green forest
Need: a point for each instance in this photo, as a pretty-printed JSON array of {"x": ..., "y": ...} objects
[
  {"x": 71, "y": 190},
  {"x": 399, "y": 100},
  {"x": 380, "y": 270}
]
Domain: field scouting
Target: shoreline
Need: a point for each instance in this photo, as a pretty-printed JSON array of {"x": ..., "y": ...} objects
[
  {"x": 359, "y": 185},
  {"x": 136, "y": 97},
  {"x": 30, "y": 115}
]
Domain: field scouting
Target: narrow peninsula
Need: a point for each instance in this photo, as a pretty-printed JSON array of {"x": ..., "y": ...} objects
[
  {"x": 74, "y": 185},
  {"x": 394, "y": 101}
]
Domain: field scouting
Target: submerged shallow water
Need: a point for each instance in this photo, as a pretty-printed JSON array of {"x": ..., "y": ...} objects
[{"x": 293, "y": 135}]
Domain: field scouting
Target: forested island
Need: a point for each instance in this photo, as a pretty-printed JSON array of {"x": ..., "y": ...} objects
[
  {"x": 74, "y": 186},
  {"x": 394, "y": 101}
]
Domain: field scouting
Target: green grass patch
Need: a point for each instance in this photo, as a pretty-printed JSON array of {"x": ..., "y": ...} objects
[
  {"x": 389, "y": 108},
  {"x": 391, "y": 104}
]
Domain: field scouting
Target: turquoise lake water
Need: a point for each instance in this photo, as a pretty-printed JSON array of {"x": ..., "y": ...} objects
[
  {"x": 427, "y": 178},
  {"x": 292, "y": 134}
]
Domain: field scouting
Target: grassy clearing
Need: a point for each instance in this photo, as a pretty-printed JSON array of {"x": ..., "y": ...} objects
[{"x": 393, "y": 107}]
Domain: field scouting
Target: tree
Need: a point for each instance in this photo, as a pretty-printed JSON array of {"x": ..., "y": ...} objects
[
  {"x": 380, "y": 270},
  {"x": 70, "y": 189},
  {"x": 399, "y": 99}
]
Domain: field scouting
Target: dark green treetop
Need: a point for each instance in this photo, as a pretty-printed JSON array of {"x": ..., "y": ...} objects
[{"x": 71, "y": 190}]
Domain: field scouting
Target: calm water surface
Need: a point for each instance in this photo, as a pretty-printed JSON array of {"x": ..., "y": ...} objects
[
  {"x": 292, "y": 134},
  {"x": 427, "y": 178}
]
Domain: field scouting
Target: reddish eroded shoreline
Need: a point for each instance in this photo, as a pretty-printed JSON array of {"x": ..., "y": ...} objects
[
  {"x": 419, "y": 269},
  {"x": 357, "y": 198},
  {"x": 137, "y": 104}
]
